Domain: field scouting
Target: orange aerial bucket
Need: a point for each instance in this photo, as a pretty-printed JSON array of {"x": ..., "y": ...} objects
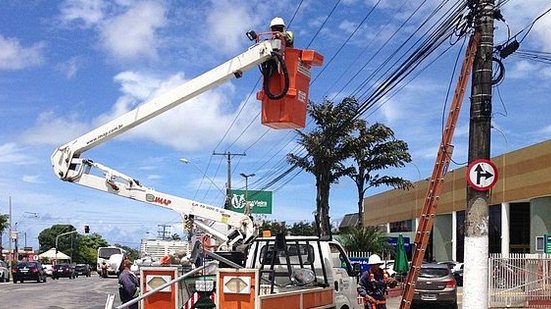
[{"x": 289, "y": 111}]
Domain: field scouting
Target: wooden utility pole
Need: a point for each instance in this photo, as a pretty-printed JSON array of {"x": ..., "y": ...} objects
[
  {"x": 228, "y": 186},
  {"x": 475, "y": 289}
]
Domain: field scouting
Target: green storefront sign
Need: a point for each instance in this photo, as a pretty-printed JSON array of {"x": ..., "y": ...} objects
[
  {"x": 547, "y": 243},
  {"x": 260, "y": 201}
]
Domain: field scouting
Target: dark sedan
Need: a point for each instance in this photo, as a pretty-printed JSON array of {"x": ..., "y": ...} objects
[
  {"x": 28, "y": 271},
  {"x": 83, "y": 270},
  {"x": 435, "y": 285},
  {"x": 63, "y": 270}
]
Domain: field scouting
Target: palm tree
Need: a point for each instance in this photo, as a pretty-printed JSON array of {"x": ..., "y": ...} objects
[
  {"x": 325, "y": 150},
  {"x": 375, "y": 149},
  {"x": 4, "y": 224},
  {"x": 366, "y": 239}
]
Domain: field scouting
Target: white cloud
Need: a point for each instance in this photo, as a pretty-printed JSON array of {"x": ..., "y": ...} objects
[
  {"x": 347, "y": 26},
  {"x": 227, "y": 23},
  {"x": 546, "y": 131},
  {"x": 11, "y": 153},
  {"x": 87, "y": 12},
  {"x": 196, "y": 124},
  {"x": 390, "y": 112},
  {"x": 14, "y": 56},
  {"x": 523, "y": 69},
  {"x": 133, "y": 34},
  {"x": 154, "y": 177},
  {"x": 70, "y": 67},
  {"x": 542, "y": 29},
  {"x": 51, "y": 130},
  {"x": 127, "y": 29},
  {"x": 32, "y": 179}
]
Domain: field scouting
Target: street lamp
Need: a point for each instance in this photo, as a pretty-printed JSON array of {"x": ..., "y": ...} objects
[
  {"x": 186, "y": 161},
  {"x": 56, "y": 241},
  {"x": 247, "y": 207}
]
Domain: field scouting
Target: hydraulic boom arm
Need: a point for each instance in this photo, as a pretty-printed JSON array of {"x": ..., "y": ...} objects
[{"x": 69, "y": 166}]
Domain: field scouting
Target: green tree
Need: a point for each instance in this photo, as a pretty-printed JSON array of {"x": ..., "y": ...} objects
[
  {"x": 88, "y": 248},
  {"x": 131, "y": 253},
  {"x": 4, "y": 224},
  {"x": 303, "y": 228},
  {"x": 275, "y": 227},
  {"x": 66, "y": 243},
  {"x": 375, "y": 149},
  {"x": 370, "y": 239},
  {"x": 326, "y": 150},
  {"x": 82, "y": 248}
]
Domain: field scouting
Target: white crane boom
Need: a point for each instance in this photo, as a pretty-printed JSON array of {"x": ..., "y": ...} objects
[{"x": 69, "y": 166}]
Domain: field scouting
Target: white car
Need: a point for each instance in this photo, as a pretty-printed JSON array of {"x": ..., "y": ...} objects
[
  {"x": 452, "y": 265},
  {"x": 48, "y": 269},
  {"x": 4, "y": 272},
  {"x": 388, "y": 267}
]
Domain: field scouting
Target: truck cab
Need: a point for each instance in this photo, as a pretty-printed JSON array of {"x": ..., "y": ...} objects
[{"x": 291, "y": 262}]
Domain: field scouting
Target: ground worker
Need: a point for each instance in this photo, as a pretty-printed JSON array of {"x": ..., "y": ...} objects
[
  {"x": 104, "y": 269},
  {"x": 278, "y": 25},
  {"x": 374, "y": 283}
]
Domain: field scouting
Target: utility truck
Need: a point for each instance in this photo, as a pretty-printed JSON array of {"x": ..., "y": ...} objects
[{"x": 314, "y": 272}]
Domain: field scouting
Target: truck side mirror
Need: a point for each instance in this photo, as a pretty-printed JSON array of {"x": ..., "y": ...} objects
[{"x": 357, "y": 269}]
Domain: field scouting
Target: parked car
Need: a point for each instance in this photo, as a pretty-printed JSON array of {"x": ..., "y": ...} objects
[
  {"x": 28, "y": 271},
  {"x": 458, "y": 275},
  {"x": 388, "y": 267},
  {"x": 435, "y": 285},
  {"x": 63, "y": 270},
  {"x": 48, "y": 268},
  {"x": 4, "y": 272},
  {"x": 83, "y": 270},
  {"x": 453, "y": 265}
]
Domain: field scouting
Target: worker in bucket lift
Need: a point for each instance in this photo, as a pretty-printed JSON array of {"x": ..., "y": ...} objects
[{"x": 278, "y": 25}]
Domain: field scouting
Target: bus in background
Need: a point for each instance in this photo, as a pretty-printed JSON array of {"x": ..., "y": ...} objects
[{"x": 112, "y": 256}]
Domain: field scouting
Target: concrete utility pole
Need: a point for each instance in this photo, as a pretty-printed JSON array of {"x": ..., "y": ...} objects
[
  {"x": 228, "y": 187},
  {"x": 9, "y": 236},
  {"x": 475, "y": 288},
  {"x": 247, "y": 206}
]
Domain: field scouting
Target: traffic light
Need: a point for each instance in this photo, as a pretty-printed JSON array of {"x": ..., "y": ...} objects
[{"x": 86, "y": 229}]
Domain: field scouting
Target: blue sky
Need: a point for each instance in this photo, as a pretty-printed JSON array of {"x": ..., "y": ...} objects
[{"x": 66, "y": 67}]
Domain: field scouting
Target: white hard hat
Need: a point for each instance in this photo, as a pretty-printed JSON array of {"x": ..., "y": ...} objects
[
  {"x": 277, "y": 21},
  {"x": 374, "y": 259}
]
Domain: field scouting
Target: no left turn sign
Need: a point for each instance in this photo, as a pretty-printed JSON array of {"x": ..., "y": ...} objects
[{"x": 482, "y": 174}]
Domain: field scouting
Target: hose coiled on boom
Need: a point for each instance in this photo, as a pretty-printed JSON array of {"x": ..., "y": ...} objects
[{"x": 268, "y": 68}]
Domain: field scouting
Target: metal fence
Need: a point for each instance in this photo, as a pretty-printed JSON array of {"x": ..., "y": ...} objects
[
  {"x": 359, "y": 254},
  {"x": 519, "y": 281}
]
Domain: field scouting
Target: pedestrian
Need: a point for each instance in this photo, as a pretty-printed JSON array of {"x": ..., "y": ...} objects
[
  {"x": 374, "y": 283},
  {"x": 128, "y": 285},
  {"x": 277, "y": 25},
  {"x": 104, "y": 270}
]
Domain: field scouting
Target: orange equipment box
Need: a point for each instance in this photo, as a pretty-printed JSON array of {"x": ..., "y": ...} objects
[
  {"x": 290, "y": 111},
  {"x": 152, "y": 277}
]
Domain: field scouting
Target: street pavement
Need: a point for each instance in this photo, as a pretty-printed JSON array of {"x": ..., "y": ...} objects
[
  {"x": 82, "y": 292},
  {"x": 86, "y": 292},
  {"x": 394, "y": 302}
]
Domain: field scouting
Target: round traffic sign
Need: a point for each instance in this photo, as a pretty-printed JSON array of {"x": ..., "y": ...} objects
[
  {"x": 482, "y": 174},
  {"x": 35, "y": 257}
]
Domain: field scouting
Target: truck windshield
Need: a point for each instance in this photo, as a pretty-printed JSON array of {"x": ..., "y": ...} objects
[{"x": 106, "y": 253}]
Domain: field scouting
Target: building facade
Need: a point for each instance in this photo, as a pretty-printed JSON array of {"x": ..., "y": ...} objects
[{"x": 520, "y": 207}]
